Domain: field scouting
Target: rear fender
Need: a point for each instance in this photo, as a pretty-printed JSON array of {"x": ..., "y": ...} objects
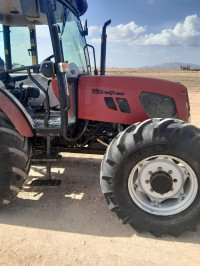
[{"x": 16, "y": 113}]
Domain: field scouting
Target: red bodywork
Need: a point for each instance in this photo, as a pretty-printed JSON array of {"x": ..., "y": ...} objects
[
  {"x": 15, "y": 114},
  {"x": 93, "y": 89}
]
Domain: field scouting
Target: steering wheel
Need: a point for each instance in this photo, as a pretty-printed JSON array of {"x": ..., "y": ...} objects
[{"x": 48, "y": 58}]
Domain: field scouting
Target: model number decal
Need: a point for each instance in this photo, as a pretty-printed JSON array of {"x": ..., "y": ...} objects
[{"x": 97, "y": 91}]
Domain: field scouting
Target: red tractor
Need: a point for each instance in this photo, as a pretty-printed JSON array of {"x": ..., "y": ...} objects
[{"x": 150, "y": 171}]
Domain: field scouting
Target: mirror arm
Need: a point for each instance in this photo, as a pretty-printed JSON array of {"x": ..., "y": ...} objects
[
  {"x": 85, "y": 31},
  {"x": 95, "y": 65}
]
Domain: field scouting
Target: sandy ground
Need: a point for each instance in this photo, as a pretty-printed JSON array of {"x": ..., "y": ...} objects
[{"x": 71, "y": 224}]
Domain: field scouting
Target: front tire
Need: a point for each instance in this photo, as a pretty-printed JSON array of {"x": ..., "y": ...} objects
[
  {"x": 150, "y": 176},
  {"x": 14, "y": 160}
]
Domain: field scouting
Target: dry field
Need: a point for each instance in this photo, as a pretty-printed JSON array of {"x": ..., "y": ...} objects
[{"x": 71, "y": 224}]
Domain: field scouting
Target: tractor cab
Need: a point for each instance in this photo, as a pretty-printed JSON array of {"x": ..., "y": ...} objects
[{"x": 44, "y": 49}]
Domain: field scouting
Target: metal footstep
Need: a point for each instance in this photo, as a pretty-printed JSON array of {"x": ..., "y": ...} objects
[
  {"x": 47, "y": 157},
  {"x": 42, "y": 157},
  {"x": 46, "y": 182}
]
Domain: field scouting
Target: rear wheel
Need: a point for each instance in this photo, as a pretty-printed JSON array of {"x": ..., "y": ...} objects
[
  {"x": 150, "y": 176},
  {"x": 14, "y": 160}
]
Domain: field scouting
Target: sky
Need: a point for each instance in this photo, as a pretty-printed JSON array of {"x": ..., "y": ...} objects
[
  {"x": 142, "y": 32},
  {"x": 146, "y": 32}
]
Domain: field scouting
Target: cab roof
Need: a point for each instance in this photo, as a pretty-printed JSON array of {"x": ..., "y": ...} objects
[{"x": 11, "y": 11}]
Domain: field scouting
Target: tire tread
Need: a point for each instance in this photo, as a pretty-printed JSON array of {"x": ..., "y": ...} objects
[{"x": 148, "y": 133}]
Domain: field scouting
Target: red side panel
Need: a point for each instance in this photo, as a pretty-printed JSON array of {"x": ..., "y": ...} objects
[
  {"x": 15, "y": 115},
  {"x": 92, "y": 91},
  {"x": 54, "y": 83}
]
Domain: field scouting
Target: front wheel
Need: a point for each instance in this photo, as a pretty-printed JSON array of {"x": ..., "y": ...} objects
[{"x": 150, "y": 176}]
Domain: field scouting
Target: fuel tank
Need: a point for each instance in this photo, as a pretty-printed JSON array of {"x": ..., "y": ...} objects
[{"x": 127, "y": 100}]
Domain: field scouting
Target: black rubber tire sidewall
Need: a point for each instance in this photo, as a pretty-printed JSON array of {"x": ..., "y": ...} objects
[
  {"x": 138, "y": 218},
  {"x": 15, "y": 152}
]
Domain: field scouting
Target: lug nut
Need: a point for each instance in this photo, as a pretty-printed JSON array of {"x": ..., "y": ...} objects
[
  {"x": 147, "y": 181},
  {"x": 151, "y": 190},
  {"x": 170, "y": 172},
  {"x": 150, "y": 173},
  {"x": 159, "y": 168},
  {"x": 175, "y": 180}
]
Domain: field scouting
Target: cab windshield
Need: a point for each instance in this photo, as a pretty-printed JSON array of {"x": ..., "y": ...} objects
[{"x": 72, "y": 38}]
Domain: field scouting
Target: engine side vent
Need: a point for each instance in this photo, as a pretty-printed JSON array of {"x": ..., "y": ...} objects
[
  {"x": 158, "y": 106},
  {"x": 123, "y": 105},
  {"x": 110, "y": 103}
]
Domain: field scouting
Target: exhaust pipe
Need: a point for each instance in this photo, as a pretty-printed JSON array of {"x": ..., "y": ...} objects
[{"x": 103, "y": 48}]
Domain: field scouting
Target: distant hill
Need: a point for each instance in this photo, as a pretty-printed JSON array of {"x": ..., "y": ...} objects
[{"x": 173, "y": 65}]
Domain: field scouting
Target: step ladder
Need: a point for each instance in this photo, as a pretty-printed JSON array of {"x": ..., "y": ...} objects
[{"x": 48, "y": 157}]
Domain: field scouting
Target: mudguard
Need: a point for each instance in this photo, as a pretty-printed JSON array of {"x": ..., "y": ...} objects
[{"x": 16, "y": 112}]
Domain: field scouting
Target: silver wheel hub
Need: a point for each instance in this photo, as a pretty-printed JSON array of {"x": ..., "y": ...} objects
[{"x": 162, "y": 185}]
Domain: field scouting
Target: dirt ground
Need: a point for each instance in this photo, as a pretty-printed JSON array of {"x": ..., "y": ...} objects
[{"x": 71, "y": 224}]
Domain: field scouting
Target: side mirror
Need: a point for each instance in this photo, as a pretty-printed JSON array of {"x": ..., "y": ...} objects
[
  {"x": 30, "y": 8},
  {"x": 85, "y": 29},
  {"x": 47, "y": 69}
]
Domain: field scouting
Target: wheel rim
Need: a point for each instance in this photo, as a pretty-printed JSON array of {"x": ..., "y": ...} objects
[{"x": 162, "y": 185}]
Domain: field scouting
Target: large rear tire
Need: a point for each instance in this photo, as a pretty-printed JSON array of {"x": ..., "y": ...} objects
[
  {"x": 15, "y": 153},
  {"x": 150, "y": 176}
]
